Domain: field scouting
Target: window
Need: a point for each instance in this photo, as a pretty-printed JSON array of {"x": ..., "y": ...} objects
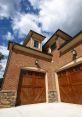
[
  {"x": 53, "y": 46},
  {"x": 36, "y": 43}
]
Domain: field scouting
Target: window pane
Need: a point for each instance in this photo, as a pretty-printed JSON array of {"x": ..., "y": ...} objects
[
  {"x": 35, "y": 44},
  {"x": 53, "y": 46}
]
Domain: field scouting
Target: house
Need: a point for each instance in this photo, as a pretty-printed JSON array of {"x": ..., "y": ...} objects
[{"x": 48, "y": 73}]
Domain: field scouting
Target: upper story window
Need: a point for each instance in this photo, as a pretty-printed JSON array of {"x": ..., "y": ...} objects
[
  {"x": 36, "y": 44},
  {"x": 53, "y": 46}
]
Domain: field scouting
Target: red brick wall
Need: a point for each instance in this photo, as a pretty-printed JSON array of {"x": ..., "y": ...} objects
[
  {"x": 60, "y": 61},
  {"x": 19, "y": 61},
  {"x": 59, "y": 42}
]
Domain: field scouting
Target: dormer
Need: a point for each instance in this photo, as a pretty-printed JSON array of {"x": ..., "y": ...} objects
[
  {"x": 34, "y": 40},
  {"x": 56, "y": 41}
]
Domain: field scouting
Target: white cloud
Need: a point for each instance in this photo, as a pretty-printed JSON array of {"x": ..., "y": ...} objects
[
  {"x": 35, "y": 3},
  {"x": 25, "y": 22},
  {"x": 21, "y": 22},
  {"x": 4, "y": 50},
  {"x": 3, "y": 62},
  {"x": 53, "y": 14},
  {"x": 64, "y": 14},
  {"x": 3, "y": 65},
  {"x": 8, "y": 36},
  {"x": 8, "y": 8}
]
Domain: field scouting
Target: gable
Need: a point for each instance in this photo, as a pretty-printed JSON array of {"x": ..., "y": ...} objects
[
  {"x": 34, "y": 40},
  {"x": 58, "y": 36},
  {"x": 33, "y": 34},
  {"x": 77, "y": 39}
]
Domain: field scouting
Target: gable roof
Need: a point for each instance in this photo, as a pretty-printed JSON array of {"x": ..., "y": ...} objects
[
  {"x": 76, "y": 40},
  {"x": 33, "y": 33},
  {"x": 70, "y": 40},
  {"x": 53, "y": 38}
]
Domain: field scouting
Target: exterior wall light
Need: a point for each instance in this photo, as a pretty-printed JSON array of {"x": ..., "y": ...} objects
[
  {"x": 74, "y": 53},
  {"x": 36, "y": 62}
]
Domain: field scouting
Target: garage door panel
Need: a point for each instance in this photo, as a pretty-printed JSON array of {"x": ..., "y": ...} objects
[
  {"x": 70, "y": 85},
  {"x": 76, "y": 77},
  {"x": 77, "y": 93},
  {"x": 27, "y": 81},
  {"x": 26, "y": 96},
  {"x": 66, "y": 94},
  {"x": 31, "y": 88},
  {"x": 40, "y": 96},
  {"x": 65, "y": 81},
  {"x": 39, "y": 82}
]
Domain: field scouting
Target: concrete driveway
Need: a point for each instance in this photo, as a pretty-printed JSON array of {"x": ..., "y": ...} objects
[{"x": 43, "y": 110}]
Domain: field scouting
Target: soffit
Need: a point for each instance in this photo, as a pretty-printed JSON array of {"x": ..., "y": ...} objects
[
  {"x": 30, "y": 51},
  {"x": 72, "y": 43}
]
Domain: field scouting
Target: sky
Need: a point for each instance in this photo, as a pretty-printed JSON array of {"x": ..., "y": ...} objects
[{"x": 18, "y": 17}]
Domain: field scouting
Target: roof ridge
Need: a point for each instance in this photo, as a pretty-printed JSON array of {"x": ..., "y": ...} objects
[{"x": 56, "y": 34}]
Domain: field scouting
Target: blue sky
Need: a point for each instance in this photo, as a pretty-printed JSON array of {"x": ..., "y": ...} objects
[{"x": 18, "y": 17}]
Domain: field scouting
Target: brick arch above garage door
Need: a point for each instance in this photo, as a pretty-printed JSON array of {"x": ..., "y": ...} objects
[
  {"x": 31, "y": 88},
  {"x": 70, "y": 85}
]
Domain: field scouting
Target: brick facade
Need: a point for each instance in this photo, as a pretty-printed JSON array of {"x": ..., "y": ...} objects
[
  {"x": 60, "y": 61},
  {"x": 20, "y": 61}
]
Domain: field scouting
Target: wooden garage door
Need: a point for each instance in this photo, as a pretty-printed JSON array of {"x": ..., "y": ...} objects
[
  {"x": 70, "y": 85},
  {"x": 31, "y": 88}
]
